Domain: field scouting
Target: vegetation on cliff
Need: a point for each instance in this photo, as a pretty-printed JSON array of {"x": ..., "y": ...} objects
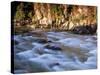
[{"x": 31, "y": 16}]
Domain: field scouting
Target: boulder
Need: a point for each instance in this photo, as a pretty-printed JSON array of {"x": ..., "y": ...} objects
[{"x": 53, "y": 46}]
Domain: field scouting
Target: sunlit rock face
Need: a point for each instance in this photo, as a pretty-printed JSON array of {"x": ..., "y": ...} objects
[
  {"x": 79, "y": 19},
  {"x": 62, "y": 51}
]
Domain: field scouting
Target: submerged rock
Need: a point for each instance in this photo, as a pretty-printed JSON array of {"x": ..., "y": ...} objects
[
  {"x": 53, "y": 46},
  {"x": 42, "y": 41}
]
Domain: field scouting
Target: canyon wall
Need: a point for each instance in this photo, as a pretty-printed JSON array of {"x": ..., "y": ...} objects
[{"x": 54, "y": 16}]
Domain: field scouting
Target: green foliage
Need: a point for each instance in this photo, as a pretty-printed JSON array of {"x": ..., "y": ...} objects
[
  {"x": 30, "y": 14},
  {"x": 56, "y": 9},
  {"x": 19, "y": 13}
]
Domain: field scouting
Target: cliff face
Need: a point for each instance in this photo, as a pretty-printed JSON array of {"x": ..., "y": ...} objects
[{"x": 54, "y": 16}]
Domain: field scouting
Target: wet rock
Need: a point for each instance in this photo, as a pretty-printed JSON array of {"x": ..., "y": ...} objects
[
  {"x": 53, "y": 46},
  {"x": 49, "y": 41},
  {"x": 87, "y": 29},
  {"x": 94, "y": 37},
  {"x": 38, "y": 33},
  {"x": 42, "y": 41}
]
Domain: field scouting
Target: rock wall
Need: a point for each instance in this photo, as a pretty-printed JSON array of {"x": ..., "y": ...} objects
[{"x": 54, "y": 16}]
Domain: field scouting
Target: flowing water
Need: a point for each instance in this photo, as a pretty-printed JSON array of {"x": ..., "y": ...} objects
[{"x": 54, "y": 51}]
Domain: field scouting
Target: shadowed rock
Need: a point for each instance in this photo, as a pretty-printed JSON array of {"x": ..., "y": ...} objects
[
  {"x": 88, "y": 29},
  {"x": 53, "y": 46}
]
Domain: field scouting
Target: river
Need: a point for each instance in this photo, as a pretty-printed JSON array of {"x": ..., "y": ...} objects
[{"x": 54, "y": 51}]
